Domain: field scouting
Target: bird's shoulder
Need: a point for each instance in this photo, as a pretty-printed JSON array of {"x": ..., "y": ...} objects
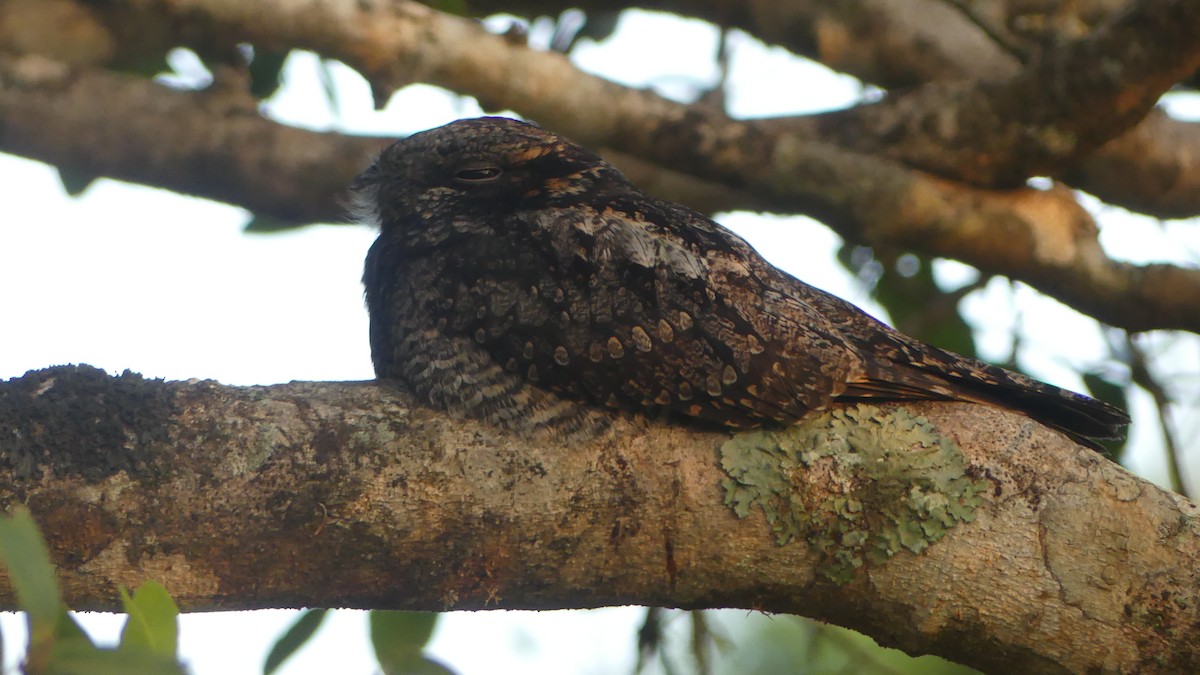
[{"x": 624, "y": 227}]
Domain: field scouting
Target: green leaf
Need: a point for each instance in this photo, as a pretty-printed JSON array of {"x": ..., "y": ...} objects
[
  {"x": 148, "y": 64},
  {"x": 905, "y": 286},
  {"x": 455, "y": 7},
  {"x": 399, "y": 638},
  {"x": 1112, "y": 394},
  {"x": 421, "y": 665},
  {"x": 1104, "y": 390},
  {"x": 67, "y": 629},
  {"x": 24, "y": 554},
  {"x": 27, "y": 559},
  {"x": 153, "y": 623},
  {"x": 142, "y": 63},
  {"x": 266, "y": 72},
  {"x": 268, "y": 224},
  {"x": 74, "y": 182},
  {"x": 920, "y": 308},
  {"x": 293, "y": 638},
  {"x": 600, "y": 24},
  {"x": 74, "y": 658},
  {"x": 45, "y": 642}
]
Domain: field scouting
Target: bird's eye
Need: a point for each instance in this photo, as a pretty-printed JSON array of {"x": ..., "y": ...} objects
[{"x": 477, "y": 174}]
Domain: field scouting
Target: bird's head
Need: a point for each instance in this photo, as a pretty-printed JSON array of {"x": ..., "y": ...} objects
[{"x": 477, "y": 168}]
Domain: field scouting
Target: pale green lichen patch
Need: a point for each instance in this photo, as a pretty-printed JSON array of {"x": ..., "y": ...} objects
[{"x": 895, "y": 484}]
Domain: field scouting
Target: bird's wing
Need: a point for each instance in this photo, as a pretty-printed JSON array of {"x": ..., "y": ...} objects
[
  {"x": 898, "y": 367},
  {"x": 655, "y": 308}
]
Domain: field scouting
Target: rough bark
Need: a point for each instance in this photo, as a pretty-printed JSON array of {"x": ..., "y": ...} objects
[{"x": 348, "y": 494}]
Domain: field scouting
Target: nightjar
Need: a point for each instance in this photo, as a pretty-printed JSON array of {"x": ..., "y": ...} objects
[{"x": 521, "y": 279}]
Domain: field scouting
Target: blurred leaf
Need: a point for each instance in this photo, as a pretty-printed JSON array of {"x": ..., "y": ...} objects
[
  {"x": 1112, "y": 394},
  {"x": 905, "y": 286},
  {"x": 76, "y": 658},
  {"x": 74, "y": 182},
  {"x": 600, "y": 25},
  {"x": 266, "y": 72},
  {"x": 51, "y": 626},
  {"x": 67, "y": 629},
  {"x": 153, "y": 623},
  {"x": 921, "y": 309},
  {"x": 57, "y": 644},
  {"x": 269, "y": 224},
  {"x": 399, "y": 638},
  {"x": 794, "y": 644},
  {"x": 423, "y": 665},
  {"x": 402, "y": 630},
  {"x": 301, "y": 630},
  {"x": 30, "y": 571},
  {"x": 455, "y": 7},
  {"x": 149, "y": 64},
  {"x": 573, "y": 25},
  {"x": 1104, "y": 390}
]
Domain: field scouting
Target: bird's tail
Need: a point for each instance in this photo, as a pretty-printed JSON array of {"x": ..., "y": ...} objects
[{"x": 936, "y": 374}]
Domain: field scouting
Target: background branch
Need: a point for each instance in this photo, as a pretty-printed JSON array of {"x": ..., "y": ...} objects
[
  {"x": 1029, "y": 124},
  {"x": 210, "y": 143},
  {"x": 220, "y": 147},
  {"x": 1068, "y": 101},
  {"x": 903, "y": 45},
  {"x": 396, "y": 43}
]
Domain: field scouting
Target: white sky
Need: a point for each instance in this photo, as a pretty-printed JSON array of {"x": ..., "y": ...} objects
[{"x": 132, "y": 277}]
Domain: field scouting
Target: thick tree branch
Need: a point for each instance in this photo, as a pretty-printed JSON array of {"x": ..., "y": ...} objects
[
  {"x": 882, "y": 42},
  {"x": 1042, "y": 238},
  {"x": 885, "y": 43},
  {"x": 215, "y": 144},
  {"x": 907, "y": 44},
  {"x": 211, "y": 143},
  {"x": 346, "y": 494},
  {"x": 1068, "y": 102},
  {"x": 1042, "y": 120},
  {"x": 1151, "y": 169}
]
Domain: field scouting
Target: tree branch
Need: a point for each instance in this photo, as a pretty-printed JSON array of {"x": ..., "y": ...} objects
[
  {"x": 219, "y": 147},
  {"x": 210, "y": 143},
  {"x": 904, "y": 45},
  {"x": 1041, "y": 120},
  {"x": 1151, "y": 169},
  {"x": 1069, "y": 101},
  {"x": 346, "y": 494},
  {"x": 888, "y": 44}
]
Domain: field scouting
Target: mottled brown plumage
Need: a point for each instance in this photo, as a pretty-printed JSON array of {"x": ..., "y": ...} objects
[{"x": 521, "y": 279}]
